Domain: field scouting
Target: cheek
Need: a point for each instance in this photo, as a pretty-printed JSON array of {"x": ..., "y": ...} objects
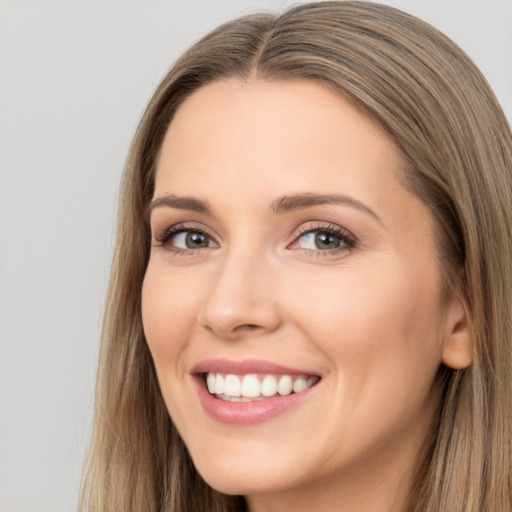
[
  {"x": 381, "y": 336},
  {"x": 168, "y": 312},
  {"x": 378, "y": 327}
]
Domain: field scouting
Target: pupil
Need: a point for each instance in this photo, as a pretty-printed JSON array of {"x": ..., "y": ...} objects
[
  {"x": 195, "y": 240},
  {"x": 326, "y": 241}
]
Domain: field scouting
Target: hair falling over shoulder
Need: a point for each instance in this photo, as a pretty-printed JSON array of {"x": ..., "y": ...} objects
[{"x": 428, "y": 95}]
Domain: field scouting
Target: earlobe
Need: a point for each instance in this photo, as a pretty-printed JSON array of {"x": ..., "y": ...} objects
[{"x": 458, "y": 345}]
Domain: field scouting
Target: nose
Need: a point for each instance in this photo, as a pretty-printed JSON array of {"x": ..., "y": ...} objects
[{"x": 242, "y": 301}]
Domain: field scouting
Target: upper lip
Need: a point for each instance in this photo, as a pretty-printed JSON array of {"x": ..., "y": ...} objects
[{"x": 247, "y": 366}]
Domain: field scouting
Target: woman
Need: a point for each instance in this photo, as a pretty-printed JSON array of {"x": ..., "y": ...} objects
[{"x": 310, "y": 303}]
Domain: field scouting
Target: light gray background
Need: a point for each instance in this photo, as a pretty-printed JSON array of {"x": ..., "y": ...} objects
[{"x": 74, "y": 79}]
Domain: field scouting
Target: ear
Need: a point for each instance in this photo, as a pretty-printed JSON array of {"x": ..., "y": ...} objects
[{"x": 458, "y": 345}]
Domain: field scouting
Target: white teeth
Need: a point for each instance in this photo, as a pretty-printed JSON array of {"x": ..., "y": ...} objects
[
  {"x": 219, "y": 384},
  {"x": 251, "y": 387},
  {"x": 210, "y": 382},
  {"x": 239, "y": 398},
  {"x": 285, "y": 385},
  {"x": 299, "y": 385},
  {"x": 232, "y": 386},
  {"x": 269, "y": 386}
]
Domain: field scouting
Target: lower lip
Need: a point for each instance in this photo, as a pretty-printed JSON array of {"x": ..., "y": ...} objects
[{"x": 247, "y": 413}]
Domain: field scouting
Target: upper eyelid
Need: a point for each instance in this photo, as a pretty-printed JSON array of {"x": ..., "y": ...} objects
[
  {"x": 309, "y": 226},
  {"x": 328, "y": 226},
  {"x": 183, "y": 226}
]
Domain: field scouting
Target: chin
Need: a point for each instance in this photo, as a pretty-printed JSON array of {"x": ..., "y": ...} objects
[{"x": 245, "y": 477}]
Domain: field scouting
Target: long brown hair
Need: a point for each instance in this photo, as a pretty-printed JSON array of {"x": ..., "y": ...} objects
[{"x": 429, "y": 96}]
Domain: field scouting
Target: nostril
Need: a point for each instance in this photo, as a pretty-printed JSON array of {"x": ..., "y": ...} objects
[
  {"x": 247, "y": 327},
  {"x": 238, "y": 328}
]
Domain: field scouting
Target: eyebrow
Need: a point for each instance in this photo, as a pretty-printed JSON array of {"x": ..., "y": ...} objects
[
  {"x": 180, "y": 203},
  {"x": 283, "y": 204},
  {"x": 308, "y": 200}
]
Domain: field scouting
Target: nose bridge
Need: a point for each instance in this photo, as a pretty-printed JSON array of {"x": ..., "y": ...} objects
[{"x": 240, "y": 300}]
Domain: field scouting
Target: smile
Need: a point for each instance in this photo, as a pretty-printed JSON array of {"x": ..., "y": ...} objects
[
  {"x": 250, "y": 392},
  {"x": 256, "y": 387}
]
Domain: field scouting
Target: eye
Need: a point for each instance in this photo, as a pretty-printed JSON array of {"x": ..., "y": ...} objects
[
  {"x": 191, "y": 240},
  {"x": 330, "y": 240},
  {"x": 319, "y": 240},
  {"x": 183, "y": 239}
]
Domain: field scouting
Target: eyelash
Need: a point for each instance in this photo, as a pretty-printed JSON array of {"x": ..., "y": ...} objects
[
  {"x": 347, "y": 240},
  {"x": 164, "y": 239}
]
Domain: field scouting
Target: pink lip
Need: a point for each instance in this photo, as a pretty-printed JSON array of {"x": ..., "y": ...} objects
[
  {"x": 246, "y": 413},
  {"x": 246, "y": 366}
]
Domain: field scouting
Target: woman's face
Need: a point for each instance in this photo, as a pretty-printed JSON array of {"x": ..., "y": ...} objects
[{"x": 286, "y": 255}]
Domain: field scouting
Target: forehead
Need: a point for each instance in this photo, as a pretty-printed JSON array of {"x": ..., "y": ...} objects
[{"x": 287, "y": 129}]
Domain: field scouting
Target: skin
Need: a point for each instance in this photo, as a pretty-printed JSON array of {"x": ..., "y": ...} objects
[{"x": 370, "y": 319}]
